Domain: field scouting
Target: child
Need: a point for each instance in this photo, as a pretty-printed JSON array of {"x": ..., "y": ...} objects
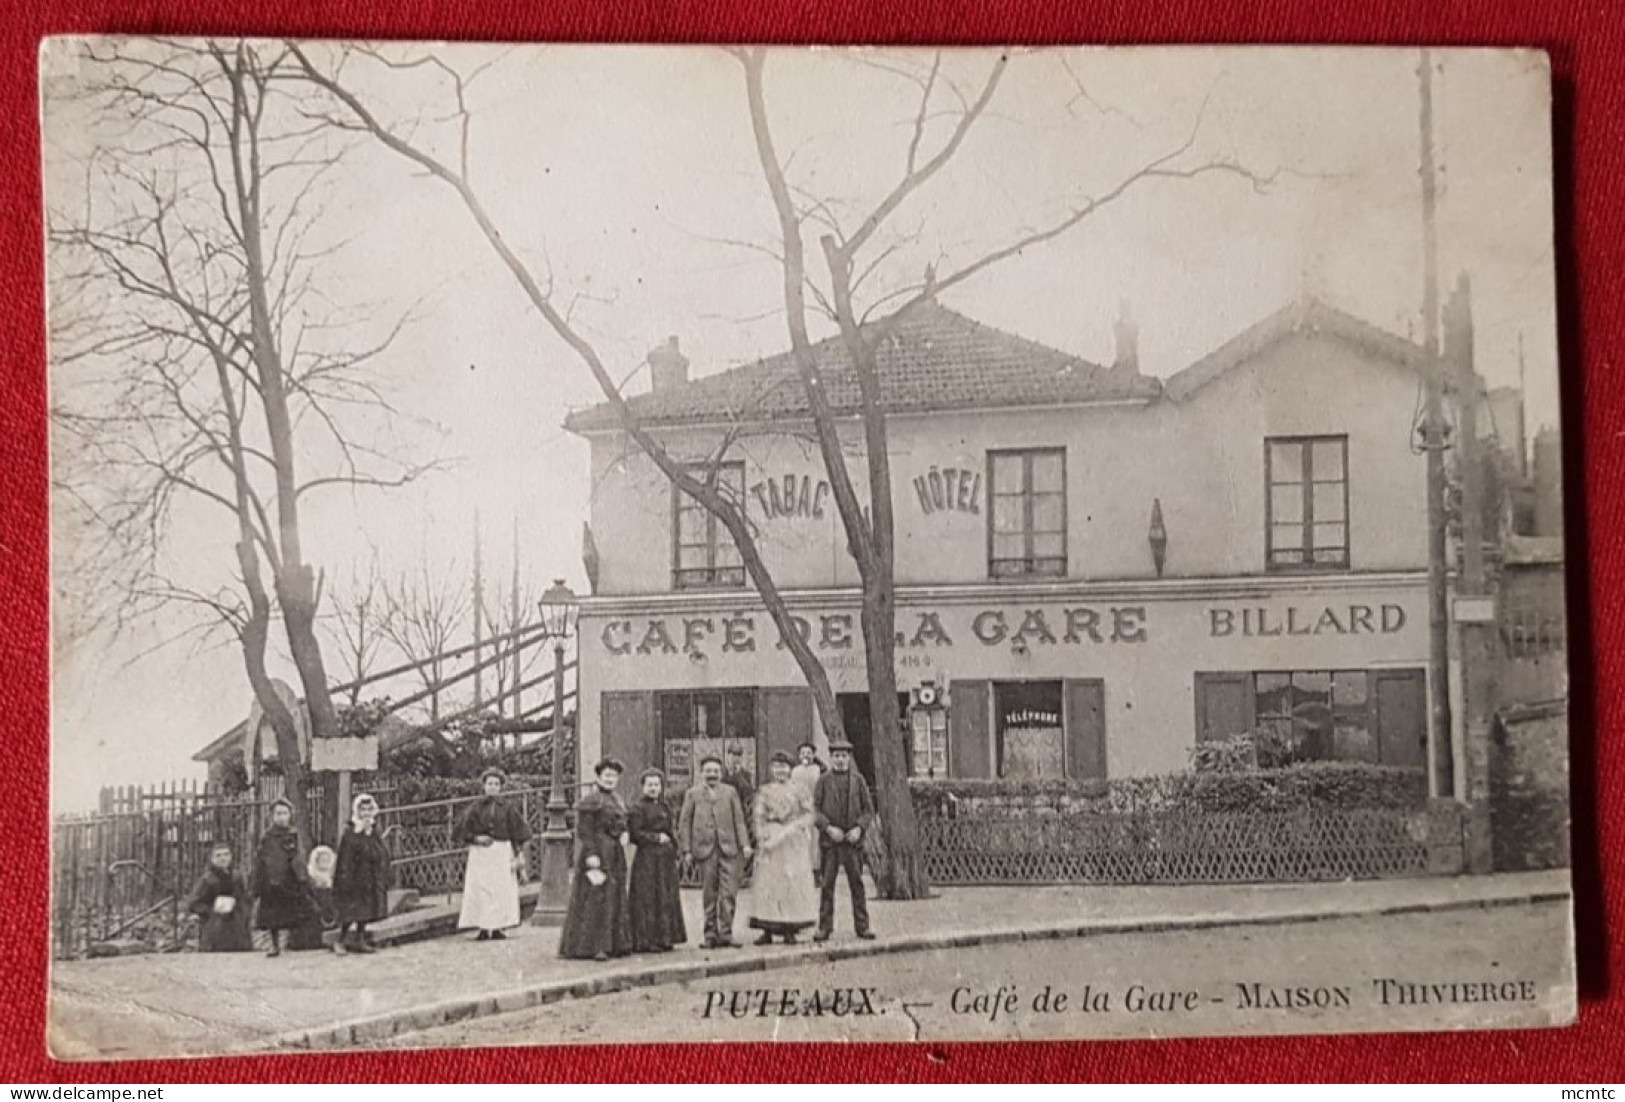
[
  {"x": 320, "y": 916},
  {"x": 280, "y": 881},
  {"x": 221, "y": 901},
  {"x": 360, "y": 878}
]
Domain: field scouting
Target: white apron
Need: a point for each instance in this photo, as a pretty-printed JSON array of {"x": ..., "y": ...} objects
[{"x": 490, "y": 891}]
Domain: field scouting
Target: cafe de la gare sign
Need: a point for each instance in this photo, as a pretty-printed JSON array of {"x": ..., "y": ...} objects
[{"x": 1083, "y": 625}]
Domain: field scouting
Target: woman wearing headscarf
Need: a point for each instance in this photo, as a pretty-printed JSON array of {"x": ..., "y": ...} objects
[
  {"x": 360, "y": 877},
  {"x": 653, "y": 902},
  {"x": 784, "y": 900},
  {"x": 595, "y": 925},
  {"x": 495, "y": 833}
]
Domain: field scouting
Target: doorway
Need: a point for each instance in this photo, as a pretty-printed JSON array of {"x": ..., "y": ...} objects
[{"x": 860, "y": 731}]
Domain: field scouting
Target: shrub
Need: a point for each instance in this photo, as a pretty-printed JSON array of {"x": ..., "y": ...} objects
[{"x": 1342, "y": 786}]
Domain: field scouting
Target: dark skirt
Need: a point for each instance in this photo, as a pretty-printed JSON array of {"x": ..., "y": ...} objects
[
  {"x": 226, "y": 933},
  {"x": 596, "y": 919},
  {"x": 653, "y": 902},
  {"x": 281, "y": 907},
  {"x": 320, "y": 916}
]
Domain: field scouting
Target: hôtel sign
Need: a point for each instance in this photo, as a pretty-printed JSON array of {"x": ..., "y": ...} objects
[{"x": 1066, "y": 625}]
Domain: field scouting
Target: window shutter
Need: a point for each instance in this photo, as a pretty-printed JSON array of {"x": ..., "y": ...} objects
[
  {"x": 1085, "y": 729},
  {"x": 1224, "y": 705},
  {"x": 969, "y": 740},
  {"x": 1402, "y": 717},
  {"x": 628, "y": 732},
  {"x": 785, "y": 718}
]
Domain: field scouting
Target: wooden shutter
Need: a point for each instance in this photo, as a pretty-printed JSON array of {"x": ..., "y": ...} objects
[
  {"x": 1085, "y": 729},
  {"x": 1224, "y": 705},
  {"x": 627, "y": 732},
  {"x": 1401, "y": 698},
  {"x": 785, "y": 718},
  {"x": 969, "y": 739}
]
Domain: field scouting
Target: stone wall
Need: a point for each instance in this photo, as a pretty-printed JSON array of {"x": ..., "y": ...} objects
[{"x": 1529, "y": 788}]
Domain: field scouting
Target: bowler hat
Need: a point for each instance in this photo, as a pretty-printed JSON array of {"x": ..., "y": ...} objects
[{"x": 840, "y": 744}]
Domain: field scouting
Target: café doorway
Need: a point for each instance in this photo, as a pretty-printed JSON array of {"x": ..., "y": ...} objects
[{"x": 855, "y": 718}]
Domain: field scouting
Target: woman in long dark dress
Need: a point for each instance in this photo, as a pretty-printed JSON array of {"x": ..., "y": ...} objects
[
  {"x": 653, "y": 903},
  {"x": 279, "y": 878},
  {"x": 595, "y": 926},
  {"x": 221, "y": 902},
  {"x": 360, "y": 878}
]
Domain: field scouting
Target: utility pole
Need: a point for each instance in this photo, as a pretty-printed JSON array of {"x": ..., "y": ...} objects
[
  {"x": 479, "y": 615},
  {"x": 515, "y": 625},
  {"x": 1441, "y": 759},
  {"x": 1475, "y": 619}
]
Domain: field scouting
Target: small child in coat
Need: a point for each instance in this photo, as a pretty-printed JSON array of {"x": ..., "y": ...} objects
[{"x": 221, "y": 902}]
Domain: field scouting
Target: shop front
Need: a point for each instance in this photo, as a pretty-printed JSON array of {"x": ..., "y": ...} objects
[{"x": 1063, "y": 681}]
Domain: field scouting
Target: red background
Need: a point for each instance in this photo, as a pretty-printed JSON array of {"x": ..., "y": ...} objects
[{"x": 1587, "y": 45}]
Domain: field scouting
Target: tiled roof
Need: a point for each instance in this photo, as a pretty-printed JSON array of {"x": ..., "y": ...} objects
[
  {"x": 935, "y": 360},
  {"x": 1305, "y": 316}
]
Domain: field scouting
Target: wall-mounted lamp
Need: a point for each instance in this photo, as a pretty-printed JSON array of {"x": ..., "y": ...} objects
[{"x": 1158, "y": 536}]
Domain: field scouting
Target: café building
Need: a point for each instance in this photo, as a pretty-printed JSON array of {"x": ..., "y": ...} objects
[{"x": 1096, "y": 569}]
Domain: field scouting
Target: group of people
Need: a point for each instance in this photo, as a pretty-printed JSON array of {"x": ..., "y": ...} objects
[
  {"x": 794, "y": 835},
  {"x": 804, "y": 827},
  {"x": 293, "y": 896}
]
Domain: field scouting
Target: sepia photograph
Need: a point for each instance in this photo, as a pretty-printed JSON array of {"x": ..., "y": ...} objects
[{"x": 589, "y": 544}]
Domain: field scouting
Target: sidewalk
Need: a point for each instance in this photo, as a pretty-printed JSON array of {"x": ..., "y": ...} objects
[{"x": 193, "y": 1004}]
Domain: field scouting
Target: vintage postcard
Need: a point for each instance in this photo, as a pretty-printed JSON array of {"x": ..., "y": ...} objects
[{"x": 606, "y": 544}]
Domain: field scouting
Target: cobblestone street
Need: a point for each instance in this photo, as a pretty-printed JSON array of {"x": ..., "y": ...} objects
[{"x": 191, "y": 1003}]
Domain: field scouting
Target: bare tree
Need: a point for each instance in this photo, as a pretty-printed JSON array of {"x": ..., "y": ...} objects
[
  {"x": 218, "y": 375},
  {"x": 425, "y": 613},
  {"x": 943, "y": 118},
  {"x": 360, "y": 613}
]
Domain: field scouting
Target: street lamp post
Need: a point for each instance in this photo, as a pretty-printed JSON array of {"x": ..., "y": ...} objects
[{"x": 559, "y": 611}]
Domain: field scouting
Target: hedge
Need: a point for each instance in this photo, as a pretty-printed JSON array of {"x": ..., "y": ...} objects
[{"x": 1344, "y": 786}]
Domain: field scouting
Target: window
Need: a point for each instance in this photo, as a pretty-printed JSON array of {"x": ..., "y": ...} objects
[
  {"x": 1030, "y": 742},
  {"x": 703, "y": 724},
  {"x": 928, "y": 742},
  {"x": 704, "y": 554},
  {"x": 1027, "y": 524},
  {"x": 1318, "y": 715},
  {"x": 1306, "y": 502}
]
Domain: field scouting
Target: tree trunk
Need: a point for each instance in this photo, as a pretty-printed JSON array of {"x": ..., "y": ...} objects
[
  {"x": 902, "y": 871},
  {"x": 255, "y": 636}
]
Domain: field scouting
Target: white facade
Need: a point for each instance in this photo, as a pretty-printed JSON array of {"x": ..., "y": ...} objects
[{"x": 1157, "y": 660}]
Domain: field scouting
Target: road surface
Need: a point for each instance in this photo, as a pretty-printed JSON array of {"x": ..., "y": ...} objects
[{"x": 1449, "y": 970}]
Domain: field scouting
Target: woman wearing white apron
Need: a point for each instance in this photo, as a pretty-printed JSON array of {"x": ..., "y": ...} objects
[{"x": 495, "y": 833}]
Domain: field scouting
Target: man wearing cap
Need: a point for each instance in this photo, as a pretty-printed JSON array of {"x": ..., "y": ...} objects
[{"x": 843, "y": 813}]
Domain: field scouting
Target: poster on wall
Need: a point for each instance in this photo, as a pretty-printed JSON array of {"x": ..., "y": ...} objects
[{"x": 1222, "y": 546}]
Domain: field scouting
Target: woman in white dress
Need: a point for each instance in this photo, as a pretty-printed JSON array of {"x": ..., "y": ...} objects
[
  {"x": 495, "y": 833},
  {"x": 784, "y": 901}
]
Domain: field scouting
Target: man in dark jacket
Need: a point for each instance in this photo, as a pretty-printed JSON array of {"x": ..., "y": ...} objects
[
  {"x": 843, "y": 812},
  {"x": 740, "y": 780}
]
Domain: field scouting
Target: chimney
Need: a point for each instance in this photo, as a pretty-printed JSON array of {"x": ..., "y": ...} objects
[
  {"x": 668, "y": 367},
  {"x": 1126, "y": 332}
]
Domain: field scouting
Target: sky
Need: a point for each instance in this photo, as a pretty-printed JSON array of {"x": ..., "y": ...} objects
[{"x": 629, "y": 174}]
